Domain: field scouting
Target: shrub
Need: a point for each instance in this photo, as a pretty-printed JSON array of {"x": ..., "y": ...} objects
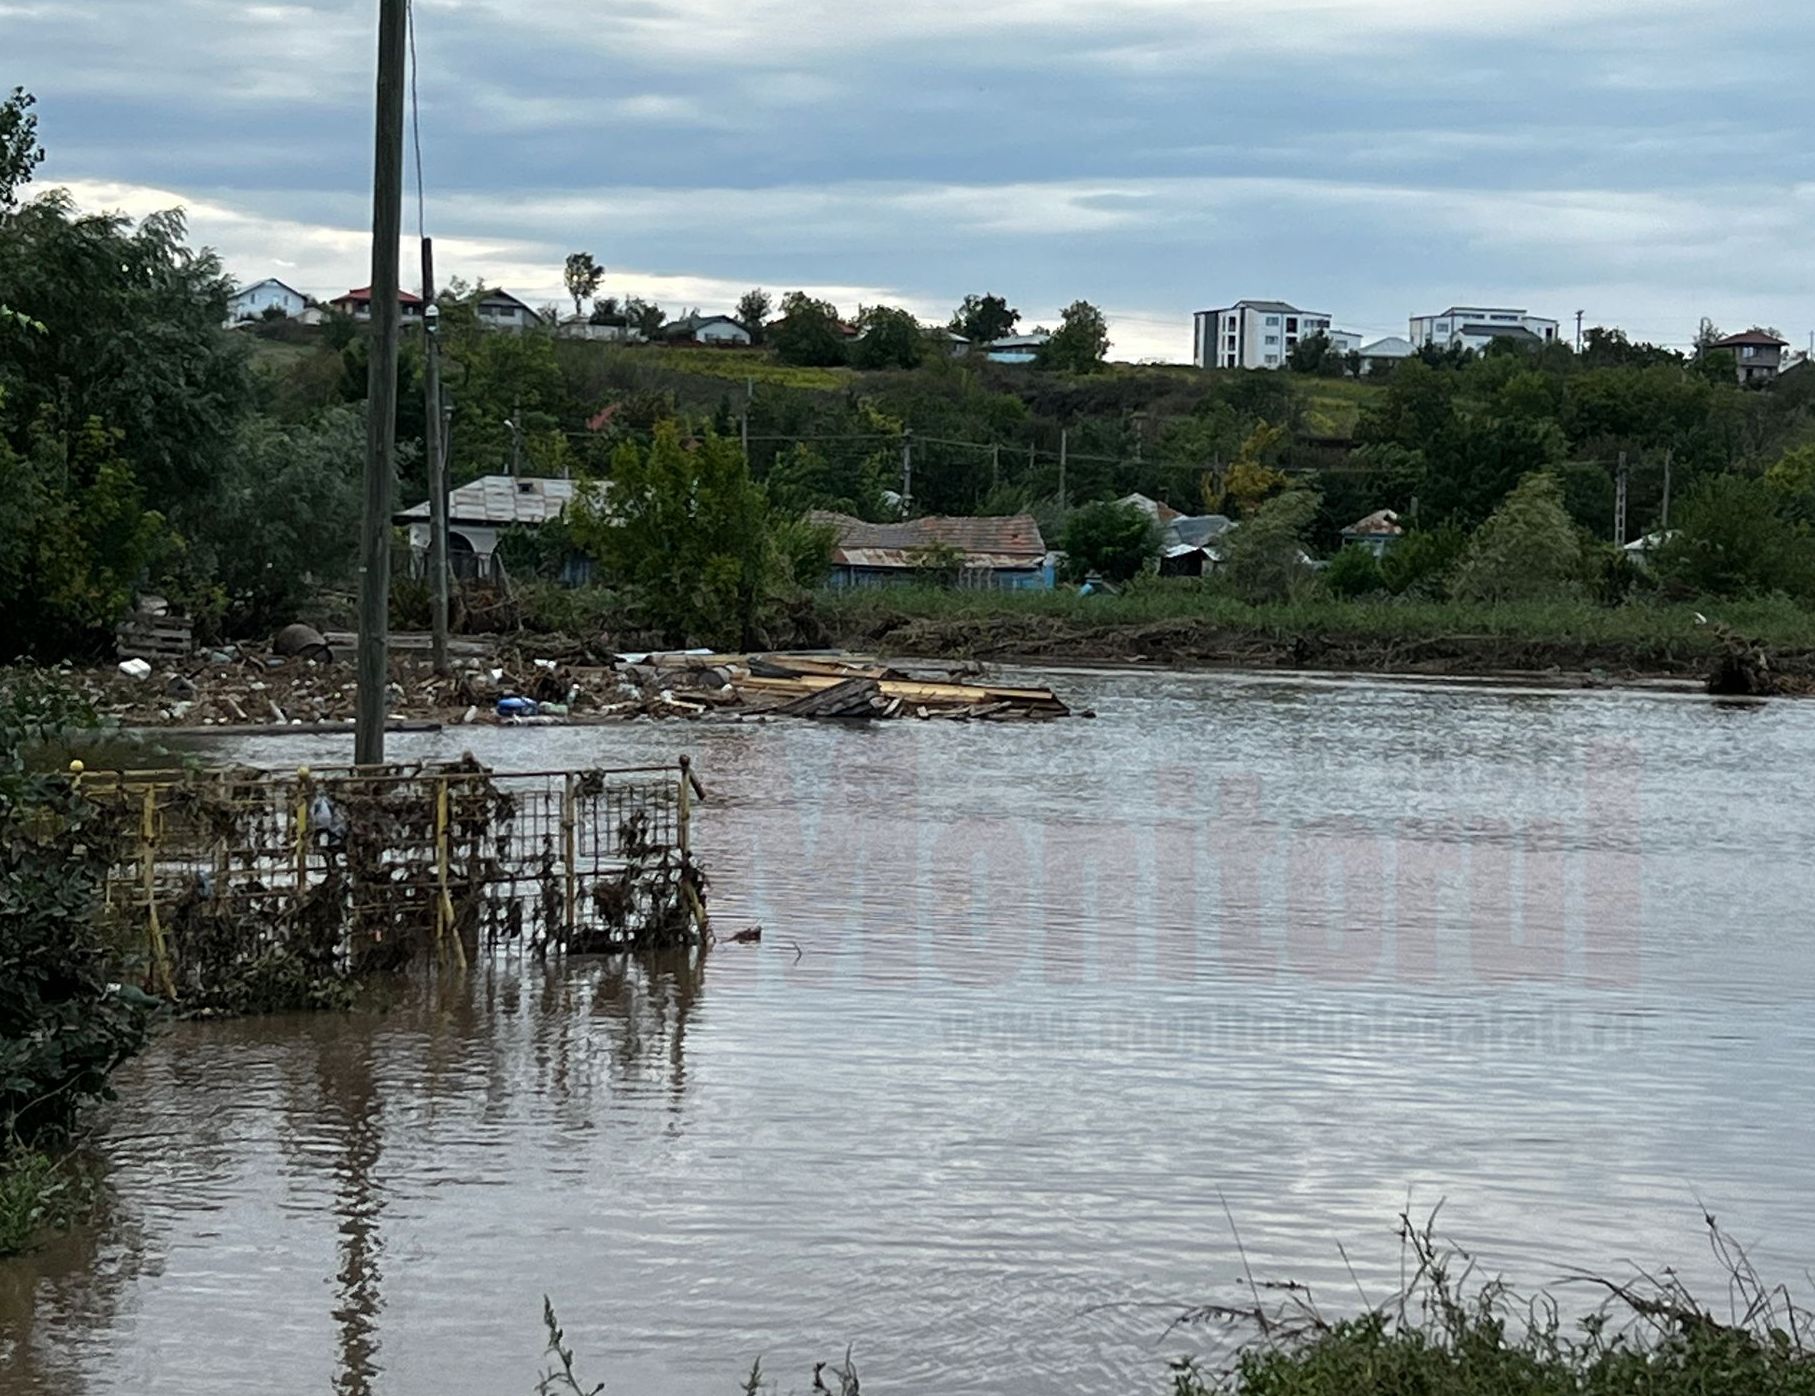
[
  {"x": 1528, "y": 550},
  {"x": 1421, "y": 562},
  {"x": 1115, "y": 540},
  {"x": 1732, "y": 540},
  {"x": 1354, "y": 572},
  {"x": 1266, "y": 557}
]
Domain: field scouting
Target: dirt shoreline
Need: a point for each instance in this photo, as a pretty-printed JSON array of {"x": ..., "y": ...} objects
[{"x": 1190, "y": 644}]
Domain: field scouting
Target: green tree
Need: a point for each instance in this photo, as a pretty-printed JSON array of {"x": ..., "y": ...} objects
[
  {"x": 753, "y": 313},
  {"x": 981, "y": 319},
  {"x": 1791, "y": 480},
  {"x": 1114, "y": 540},
  {"x": 1309, "y": 354},
  {"x": 1527, "y": 550},
  {"x": 1264, "y": 559},
  {"x": 20, "y": 152},
  {"x": 583, "y": 277},
  {"x": 1354, "y": 572},
  {"x": 1081, "y": 341},
  {"x": 75, "y": 540},
  {"x": 1730, "y": 537},
  {"x": 1423, "y": 561},
  {"x": 692, "y": 539},
  {"x": 297, "y": 489},
  {"x": 644, "y": 317},
  {"x": 132, "y": 339},
  {"x": 891, "y": 338},
  {"x": 807, "y": 333}
]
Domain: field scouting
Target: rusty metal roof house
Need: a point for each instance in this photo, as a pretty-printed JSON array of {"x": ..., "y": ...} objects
[
  {"x": 996, "y": 553},
  {"x": 1377, "y": 532}
]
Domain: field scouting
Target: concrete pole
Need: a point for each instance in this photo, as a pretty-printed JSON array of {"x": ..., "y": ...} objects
[{"x": 381, "y": 390}]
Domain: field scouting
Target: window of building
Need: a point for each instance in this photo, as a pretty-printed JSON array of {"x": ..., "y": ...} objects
[
  {"x": 1272, "y": 320},
  {"x": 1291, "y": 324},
  {"x": 1273, "y": 358},
  {"x": 1273, "y": 339}
]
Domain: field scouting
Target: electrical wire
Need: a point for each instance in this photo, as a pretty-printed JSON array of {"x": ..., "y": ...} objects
[{"x": 409, "y": 10}]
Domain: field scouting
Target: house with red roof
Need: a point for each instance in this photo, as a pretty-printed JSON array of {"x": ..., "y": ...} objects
[
  {"x": 1003, "y": 553},
  {"x": 358, "y": 304},
  {"x": 1758, "y": 353}
]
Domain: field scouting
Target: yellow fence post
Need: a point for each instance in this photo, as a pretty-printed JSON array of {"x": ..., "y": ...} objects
[
  {"x": 302, "y": 833},
  {"x": 148, "y": 870}
]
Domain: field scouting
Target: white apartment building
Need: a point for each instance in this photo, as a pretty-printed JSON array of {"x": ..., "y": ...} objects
[
  {"x": 1475, "y": 327},
  {"x": 1252, "y": 334}
]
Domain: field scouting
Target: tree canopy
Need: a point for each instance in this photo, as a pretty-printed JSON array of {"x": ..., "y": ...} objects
[{"x": 983, "y": 318}]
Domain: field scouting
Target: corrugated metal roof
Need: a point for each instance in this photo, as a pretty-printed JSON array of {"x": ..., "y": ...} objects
[
  {"x": 1012, "y": 536},
  {"x": 503, "y": 500},
  {"x": 1392, "y": 347},
  {"x": 1382, "y": 523},
  {"x": 1198, "y": 529}
]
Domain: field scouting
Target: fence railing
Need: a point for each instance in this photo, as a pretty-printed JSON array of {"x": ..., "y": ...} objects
[{"x": 369, "y": 867}]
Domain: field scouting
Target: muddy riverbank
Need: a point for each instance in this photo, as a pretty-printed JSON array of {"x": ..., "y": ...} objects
[{"x": 1184, "y": 642}]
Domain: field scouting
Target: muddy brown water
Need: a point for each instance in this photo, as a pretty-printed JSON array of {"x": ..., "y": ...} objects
[{"x": 1037, "y": 1011}]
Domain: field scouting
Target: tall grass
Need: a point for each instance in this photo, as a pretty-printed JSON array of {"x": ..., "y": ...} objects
[
  {"x": 1651, "y": 628},
  {"x": 1452, "y": 1332}
]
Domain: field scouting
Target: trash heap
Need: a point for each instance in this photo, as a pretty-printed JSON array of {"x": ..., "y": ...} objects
[{"x": 301, "y": 681}]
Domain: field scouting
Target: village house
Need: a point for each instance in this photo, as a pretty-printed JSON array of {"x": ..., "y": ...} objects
[
  {"x": 1385, "y": 355},
  {"x": 694, "y": 328},
  {"x": 1758, "y": 354},
  {"x": 1191, "y": 545},
  {"x": 358, "y": 304},
  {"x": 258, "y": 300},
  {"x": 498, "y": 309},
  {"x": 1016, "y": 348},
  {"x": 998, "y": 554},
  {"x": 478, "y": 513},
  {"x": 1378, "y": 532}
]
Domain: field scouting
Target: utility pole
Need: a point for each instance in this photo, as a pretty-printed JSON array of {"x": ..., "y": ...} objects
[
  {"x": 749, "y": 394},
  {"x": 995, "y": 466},
  {"x": 1064, "y": 451},
  {"x": 1579, "y": 315},
  {"x": 1619, "y": 505},
  {"x": 1669, "y": 458},
  {"x": 437, "y": 454},
  {"x": 381, "y": 391},
  {"x": 516, "y": 440},
  {"x": 907, "y": 470}
]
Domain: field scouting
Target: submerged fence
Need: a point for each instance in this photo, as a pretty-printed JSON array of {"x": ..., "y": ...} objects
[{"x": 332, "y": 871}]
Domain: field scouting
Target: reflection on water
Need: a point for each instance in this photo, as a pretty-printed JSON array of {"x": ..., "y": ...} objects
[{"x": 1030, "y": 1006}]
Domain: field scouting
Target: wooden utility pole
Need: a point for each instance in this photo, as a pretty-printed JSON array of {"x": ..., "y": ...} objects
[
  {"x": 1669, "y": 460},
  {"x": 1579, "y": 315},
  {"x": 1064, "y": 451},
  {"x": 907, "y": 470},
  {"x": 1619, "y": 505},
  {"x": 437, "y": 454},
  {"x": 516, "y": 441},
  {"x": 995, "y": 466},
  {"x": 381, "y": 390}
]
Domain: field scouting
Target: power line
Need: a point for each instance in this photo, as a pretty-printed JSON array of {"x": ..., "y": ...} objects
[{"x": 416, "y": 123}]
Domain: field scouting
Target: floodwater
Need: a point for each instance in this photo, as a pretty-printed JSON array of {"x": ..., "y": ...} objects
[{"x": 1041, "y": 1020}]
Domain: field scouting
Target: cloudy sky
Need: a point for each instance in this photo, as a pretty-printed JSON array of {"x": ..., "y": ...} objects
[{"x": 1647, "y": 161}]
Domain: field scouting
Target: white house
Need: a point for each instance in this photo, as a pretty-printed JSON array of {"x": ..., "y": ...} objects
[
  {"x": 1476, "y": 327},
  {"x": 479, "y": 511},
  {"x": 500, "y": 310},
  {"x": 1016, "y": 348},
  {"x": 695, "y": 328},
  {"x": 1344, "y": 341},
  {"x": 585, "y": 327},
  {"x": 1385, "y": 355},
  {"x": 255, "y": 301},
  {"x": 1252, "y": 334}
]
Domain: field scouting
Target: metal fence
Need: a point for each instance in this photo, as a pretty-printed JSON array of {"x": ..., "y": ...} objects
[{"x": 364, "y": 866}]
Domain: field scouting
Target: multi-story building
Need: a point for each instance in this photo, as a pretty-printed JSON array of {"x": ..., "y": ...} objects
[
  {"x": 1252, "y": 334},
  {"x": 1758, "y": 354},
  {"x": 1476, "y": 327}
]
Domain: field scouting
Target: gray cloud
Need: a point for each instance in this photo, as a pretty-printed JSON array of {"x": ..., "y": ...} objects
[{"x": 1372, "y": 157}]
